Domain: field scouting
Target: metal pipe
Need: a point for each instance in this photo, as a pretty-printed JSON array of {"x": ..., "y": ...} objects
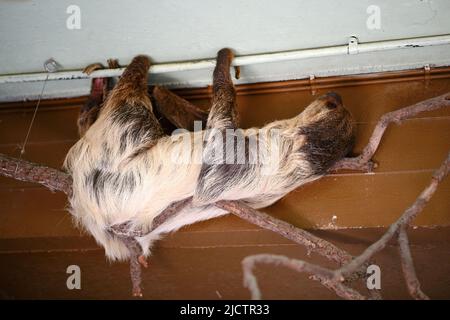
[{"x": 242, "y": 60}]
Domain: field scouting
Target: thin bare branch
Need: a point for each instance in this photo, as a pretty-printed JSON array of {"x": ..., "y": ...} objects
[
  {"x": 22, "y": 170},
  {"x": 404, "y": 220},
  {"x": 287, "y": 230},
  {"x": 409, "y": 272},
  {"x": 323, "y": 275},
  {"x": 363, "y": 161},
  {"x": 331, "y": 279},
  {"x": 344, "y": 291},
  {"x": 125, "y": 229},
  {"x": 302, "y": 237},
  {"x": 354, "y": 164}
]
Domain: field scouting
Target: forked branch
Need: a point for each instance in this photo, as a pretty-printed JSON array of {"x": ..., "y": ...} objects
[
  {"x": 333, "y": 279},
  {"x": 363, "y": 162}
]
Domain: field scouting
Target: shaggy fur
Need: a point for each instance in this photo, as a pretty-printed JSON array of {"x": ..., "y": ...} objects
[{"x": 126, "y": 171}]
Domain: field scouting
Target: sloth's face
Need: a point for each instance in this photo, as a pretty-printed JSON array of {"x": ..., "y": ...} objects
[{"x": 329, "y": 105}]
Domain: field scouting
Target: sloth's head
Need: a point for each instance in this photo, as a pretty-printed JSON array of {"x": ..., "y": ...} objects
[
  {"x": 328, "y": 106},
  {"x": 329, "y": 129},
  {"x": 329, "y": 113}
]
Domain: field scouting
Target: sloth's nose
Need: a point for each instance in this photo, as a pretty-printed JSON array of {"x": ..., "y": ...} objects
[{"x": 332, "y": 99}]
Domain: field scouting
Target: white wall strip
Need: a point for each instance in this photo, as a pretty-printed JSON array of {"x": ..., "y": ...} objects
[{"x": 347, "y": 49}]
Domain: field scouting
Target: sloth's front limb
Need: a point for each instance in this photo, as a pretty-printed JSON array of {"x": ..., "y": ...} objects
[
  {"x": 180, "y": 112},
  {"x": 100, "y": 87},
  {"x": 223, "y": 113},
  {"x": 214, "y": 177}
]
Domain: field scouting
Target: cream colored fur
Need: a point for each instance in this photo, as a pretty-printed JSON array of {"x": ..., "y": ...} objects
[{"x": 164, "y": 181}]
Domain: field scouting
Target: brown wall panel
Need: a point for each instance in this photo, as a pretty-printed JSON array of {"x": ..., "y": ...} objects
[
  {"x": 361, "y": 200},
  {"x": 214, "y": 272},
  {"x": 357, "y": 201},
  {"x": 416, "y": 144},
  {"x": 406, "y": 157},
  {"x": 367, "y": 103},
  {"x": 50, "y": 124}
]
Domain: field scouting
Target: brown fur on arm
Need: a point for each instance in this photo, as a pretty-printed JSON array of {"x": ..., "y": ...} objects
[
  {"x": 180, "y": 112},
  {"x": 132, "y": 86},
  {"x": 100, "y": 87},
  {"x": 129, "y": 100},
  {"x": 89, "y": 112},
  {"x": 223, "y": 110}
]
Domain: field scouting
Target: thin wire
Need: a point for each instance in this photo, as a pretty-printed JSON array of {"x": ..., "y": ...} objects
[{"x": 22, "y": 151}]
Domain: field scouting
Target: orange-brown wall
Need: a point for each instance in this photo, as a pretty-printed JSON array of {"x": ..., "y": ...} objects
[
  {"x": 205, "y": 256},
  {"x": 407, "y": 157}
]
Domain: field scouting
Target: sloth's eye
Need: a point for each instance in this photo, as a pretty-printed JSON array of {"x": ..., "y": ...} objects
[{"x": 331, "y": 105}]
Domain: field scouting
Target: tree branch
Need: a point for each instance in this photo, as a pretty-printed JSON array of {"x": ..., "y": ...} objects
[
  {"x": 363, "y": 161},
  {"x": 404, "y": 220},
  {"x": 321, "y": 274},
  {"x": 331, "y": 278},
  {"x": 22, "y": 170},
  {"x": 409, "y": 273},
  {"x": 287, "y": 230}
]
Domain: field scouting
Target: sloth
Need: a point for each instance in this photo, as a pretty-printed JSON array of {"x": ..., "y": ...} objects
[{"x": 126, "y": 171}]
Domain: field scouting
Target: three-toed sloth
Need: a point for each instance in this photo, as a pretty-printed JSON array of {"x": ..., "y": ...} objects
[{"x": 125, "y": 173}]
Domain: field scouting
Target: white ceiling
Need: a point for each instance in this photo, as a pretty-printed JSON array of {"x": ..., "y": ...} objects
[{"x": 169, "y": 30}]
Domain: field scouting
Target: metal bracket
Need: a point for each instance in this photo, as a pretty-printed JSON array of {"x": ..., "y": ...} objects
[
  {"x": 312, "y": 81},
  {"x": 427, "y": 74},
  {"x": 352, "y": 45}
]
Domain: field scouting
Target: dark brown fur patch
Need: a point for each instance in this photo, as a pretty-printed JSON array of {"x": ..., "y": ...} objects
[
  {"x": 328, "y": 139},
  {"x": 89, "y": 112},
  {"x": 141, "y": 125},
  {"x": 232, "y": 169}
]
